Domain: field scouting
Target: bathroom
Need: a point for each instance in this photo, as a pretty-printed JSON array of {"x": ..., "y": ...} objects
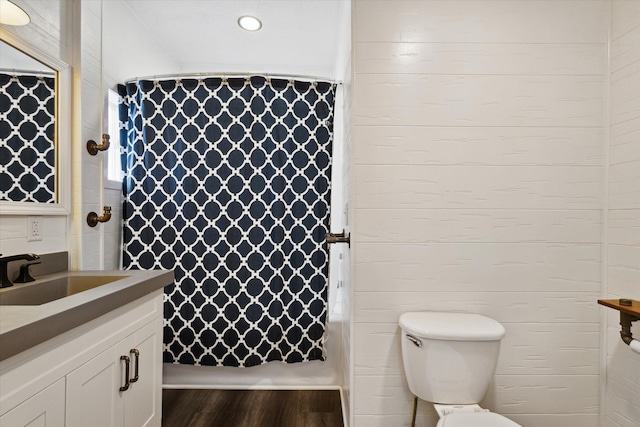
[{"x": 492, "y": 157}]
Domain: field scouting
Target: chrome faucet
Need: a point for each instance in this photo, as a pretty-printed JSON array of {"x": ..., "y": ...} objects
[{"x": 4, "y": 277}]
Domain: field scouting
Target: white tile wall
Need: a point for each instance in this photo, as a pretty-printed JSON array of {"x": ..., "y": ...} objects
[
  {"x": 478, "y": 58},
  {"x": 622, "y": 279},
  {"x": 486, "y": 267},
  {"x": 482, "y": 146},
  {"x": 480, "y": 100},
  {"x": 471, "y": 225},
  {"x": 13, "y": 235},
  {"x": 483, "y": 22},
  {"x": 344, "y": 73},
  {"x": 478, "y": 171},
  {"x": 623, "y": 146},
  {"x": 89, "y": 191}
]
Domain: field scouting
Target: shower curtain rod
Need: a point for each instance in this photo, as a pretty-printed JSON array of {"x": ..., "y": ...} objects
[
  {"x": 14, "y": 72},
  {"x": 236, "y": 75}
]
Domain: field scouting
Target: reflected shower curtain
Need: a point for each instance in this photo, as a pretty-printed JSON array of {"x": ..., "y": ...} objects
[
  {"x": 227, "y": 181},
  {"x": 27, "y": 135}
]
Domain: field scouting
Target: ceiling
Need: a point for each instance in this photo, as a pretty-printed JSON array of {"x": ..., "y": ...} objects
[{"x": 298, "y": 37}]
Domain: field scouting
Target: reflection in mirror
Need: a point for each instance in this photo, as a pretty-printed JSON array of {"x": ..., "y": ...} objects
[{"x": 27, "y": 128}]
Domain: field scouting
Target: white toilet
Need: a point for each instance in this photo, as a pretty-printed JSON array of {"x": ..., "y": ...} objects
[{"x": 449, "y": 360}]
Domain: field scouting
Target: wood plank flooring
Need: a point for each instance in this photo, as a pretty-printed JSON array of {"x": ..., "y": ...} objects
[{"x": 248, "y": 408}]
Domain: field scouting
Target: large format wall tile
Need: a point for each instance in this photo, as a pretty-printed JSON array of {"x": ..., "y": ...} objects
[
  {"x": 446, "y": 21},
  {"x": 479, "y": 100}
]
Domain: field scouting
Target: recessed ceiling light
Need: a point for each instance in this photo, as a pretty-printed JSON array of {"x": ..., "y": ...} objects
[
  {"x": 11, "y": 14},
  {"x": 249, "y": 23}
]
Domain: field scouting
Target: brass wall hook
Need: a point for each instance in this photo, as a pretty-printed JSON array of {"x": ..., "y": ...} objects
[
  {"x": 93, "y": 219},
  {"x": 93, "y": 147}
]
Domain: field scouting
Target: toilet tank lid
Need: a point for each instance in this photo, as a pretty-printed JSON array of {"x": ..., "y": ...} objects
[{"x": 451, "y": 326}]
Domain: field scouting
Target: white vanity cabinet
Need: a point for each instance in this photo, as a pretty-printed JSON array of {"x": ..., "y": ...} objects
[
  {"x": 45, "y": 409},
  {"x": 120, "y": 386},
  {"x": 78, "y": 379}
]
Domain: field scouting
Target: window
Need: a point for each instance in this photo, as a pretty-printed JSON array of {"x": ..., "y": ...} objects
[{"x": 114, "y": 168}]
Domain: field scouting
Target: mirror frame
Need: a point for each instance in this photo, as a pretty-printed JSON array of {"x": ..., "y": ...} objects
[{"x": 63, "y": 135}]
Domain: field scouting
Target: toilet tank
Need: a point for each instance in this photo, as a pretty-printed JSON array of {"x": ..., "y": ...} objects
[{"x": 449, "y": 358}]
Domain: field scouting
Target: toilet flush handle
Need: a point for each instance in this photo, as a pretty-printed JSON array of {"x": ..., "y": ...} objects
[{"x": 414, "y": 340}]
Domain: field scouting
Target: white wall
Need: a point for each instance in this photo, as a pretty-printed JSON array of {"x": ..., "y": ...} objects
[
  {"x": 129, "y": 51},
  {"x": 342, "y": 166},
  {"x": 86, "y": 251},
  {"x": 49, "y": 32},
  {"x": 622, "y": 377},
  {"x": 478, "y": 171}
]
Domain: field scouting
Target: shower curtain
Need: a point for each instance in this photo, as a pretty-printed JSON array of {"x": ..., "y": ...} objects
[{"x": 227, "y": 181}]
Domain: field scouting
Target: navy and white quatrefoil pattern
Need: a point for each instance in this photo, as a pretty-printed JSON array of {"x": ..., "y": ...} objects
[
  {"x": 227, "y": 181},
  {"x": 27, "y": 129}
]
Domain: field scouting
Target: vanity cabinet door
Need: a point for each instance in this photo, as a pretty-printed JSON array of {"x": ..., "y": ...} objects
[
  {"x": 93, "y": 396},
  {"x": 143, "y": 399},
  {"x": 106, "y": 392},
  {"x": 45, "y": 409}
]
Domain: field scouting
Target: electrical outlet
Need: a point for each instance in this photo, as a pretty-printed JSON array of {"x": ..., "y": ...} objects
[{"x": 34, "y": 228}]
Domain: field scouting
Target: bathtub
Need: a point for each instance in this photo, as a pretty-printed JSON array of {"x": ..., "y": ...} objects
[{"x": 314, "y": 374}]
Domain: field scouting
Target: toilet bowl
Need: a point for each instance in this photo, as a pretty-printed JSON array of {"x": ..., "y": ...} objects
[{"x": 449, "y": 360}]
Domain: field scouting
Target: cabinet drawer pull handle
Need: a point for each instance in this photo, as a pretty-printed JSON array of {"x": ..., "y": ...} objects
[
  {"x": 136, "y": 353},
  {"x": 127, "y": 362}
]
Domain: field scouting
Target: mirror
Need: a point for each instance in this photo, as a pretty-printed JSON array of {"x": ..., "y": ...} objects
[
  {"x": 27, "y": 128},
  {"x": 33, "y": 123}
]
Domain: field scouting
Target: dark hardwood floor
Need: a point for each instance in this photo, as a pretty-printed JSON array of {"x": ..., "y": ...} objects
[{"x": 248, "y": 408}]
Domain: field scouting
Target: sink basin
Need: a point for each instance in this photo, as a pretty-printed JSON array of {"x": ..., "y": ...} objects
[{"x": 51, "y": 290}]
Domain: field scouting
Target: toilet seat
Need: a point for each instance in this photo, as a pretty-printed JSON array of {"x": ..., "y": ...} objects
[
  {"x": 475, "y": 419},
  {"x": 443, "y": 410}
]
